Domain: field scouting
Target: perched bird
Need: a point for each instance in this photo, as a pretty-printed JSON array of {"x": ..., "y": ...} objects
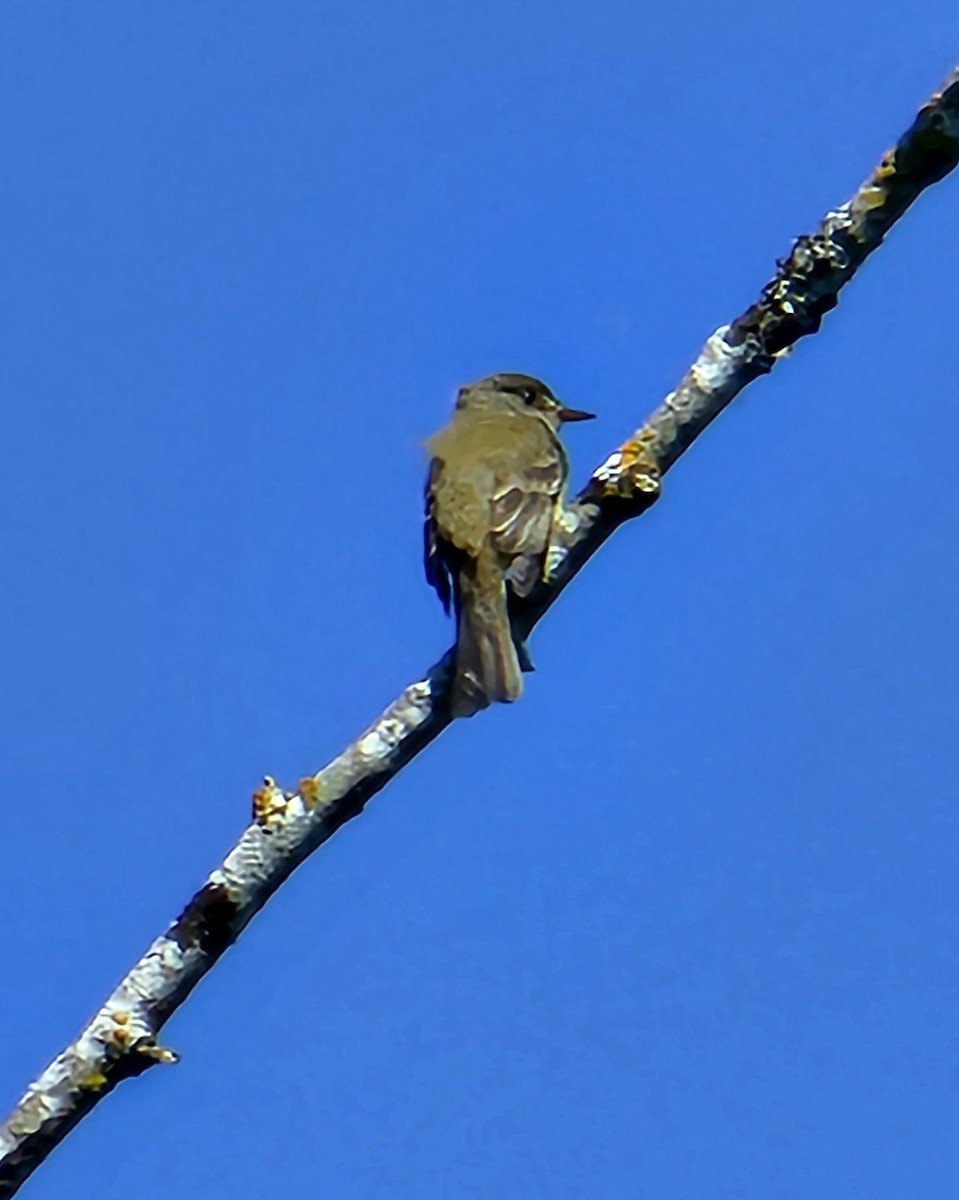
[{"x": 496, "y": 486}]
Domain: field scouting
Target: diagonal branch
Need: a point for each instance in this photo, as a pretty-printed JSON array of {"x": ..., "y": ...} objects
[{"x": 120, "y": 1040}]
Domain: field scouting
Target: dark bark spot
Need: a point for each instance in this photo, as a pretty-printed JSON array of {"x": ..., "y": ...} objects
[{"x": 206, "y": 922}]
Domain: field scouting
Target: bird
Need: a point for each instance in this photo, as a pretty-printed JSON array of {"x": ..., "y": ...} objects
[{"x": 494, "y": 492}]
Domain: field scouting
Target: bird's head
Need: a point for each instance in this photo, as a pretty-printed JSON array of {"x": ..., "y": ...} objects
[{"x": 520, "y": 393}]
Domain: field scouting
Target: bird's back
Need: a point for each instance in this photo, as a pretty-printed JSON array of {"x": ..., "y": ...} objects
[{"x": 478, "y": 459}]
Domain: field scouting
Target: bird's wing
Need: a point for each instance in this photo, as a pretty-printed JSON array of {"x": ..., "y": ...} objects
[{"x": 522, "y": 510}]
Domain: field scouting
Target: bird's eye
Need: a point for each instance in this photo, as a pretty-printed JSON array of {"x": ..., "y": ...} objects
[{"x": 529, "y": 396}]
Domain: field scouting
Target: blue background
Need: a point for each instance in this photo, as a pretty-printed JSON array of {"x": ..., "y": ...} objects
[{"x": 682, "y": 923}]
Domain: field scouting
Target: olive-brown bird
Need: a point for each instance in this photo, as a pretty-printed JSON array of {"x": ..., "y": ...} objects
[{"x": 496, "y": 486}]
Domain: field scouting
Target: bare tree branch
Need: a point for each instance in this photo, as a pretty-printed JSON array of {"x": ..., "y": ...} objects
[{"x": 120, "y": 1040}]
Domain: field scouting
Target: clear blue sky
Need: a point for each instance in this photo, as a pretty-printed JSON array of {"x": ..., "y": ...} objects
[{"x": 682, "y": 923}]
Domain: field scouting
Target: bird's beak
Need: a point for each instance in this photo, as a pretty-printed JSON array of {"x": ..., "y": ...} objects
[{"x": 574, "y": 414}]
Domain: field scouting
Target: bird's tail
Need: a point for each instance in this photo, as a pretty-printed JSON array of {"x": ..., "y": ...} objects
[{"x": 487, "y": 666}]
